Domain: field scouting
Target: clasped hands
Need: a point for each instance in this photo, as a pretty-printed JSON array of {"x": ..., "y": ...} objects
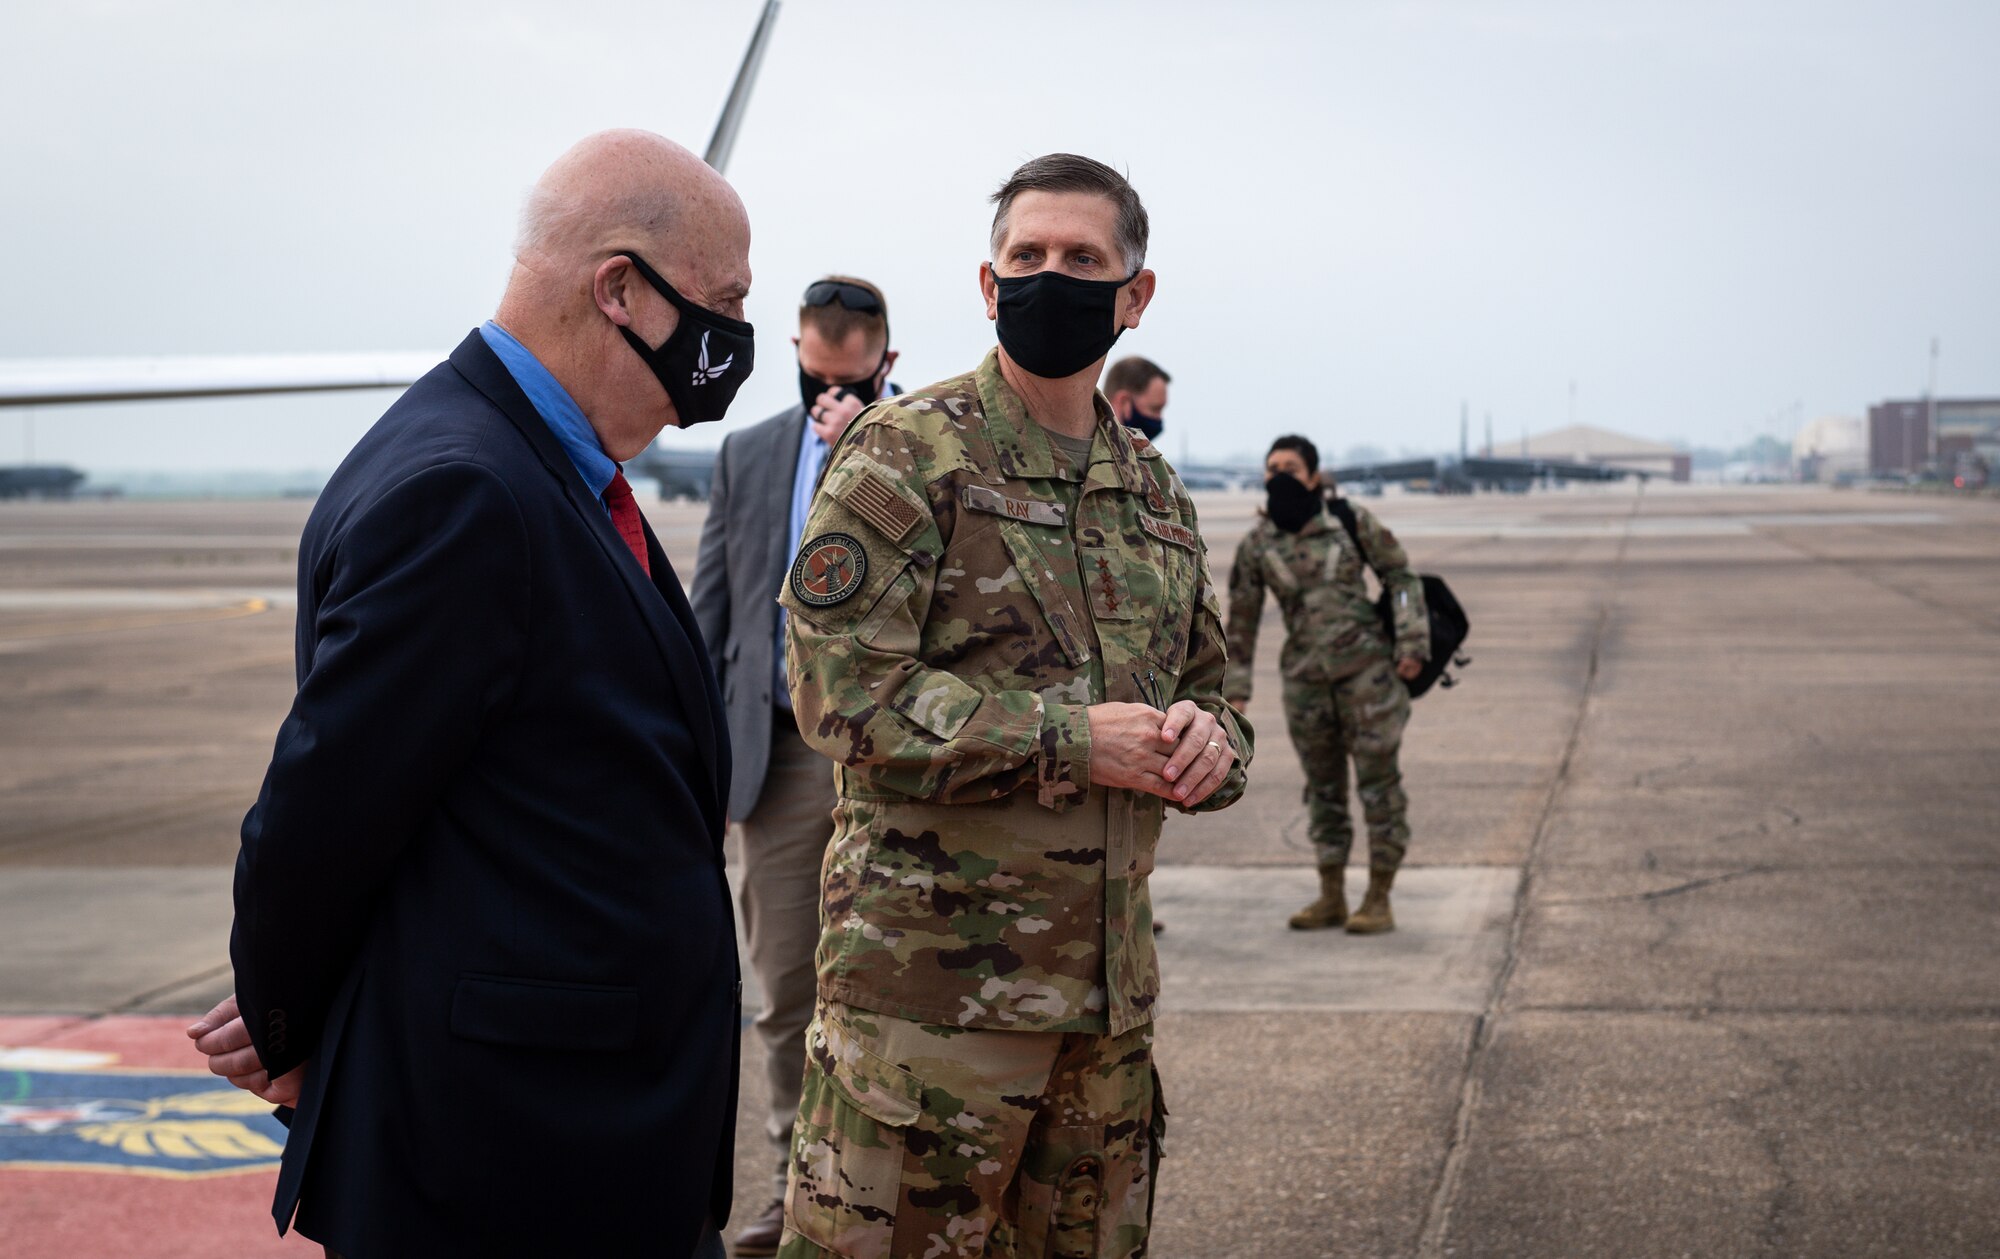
[
  {"x": 222, "y": 1035},
  {"x": 1181, "y": 755}
]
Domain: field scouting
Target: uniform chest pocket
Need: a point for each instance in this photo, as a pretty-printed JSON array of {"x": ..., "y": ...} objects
[
  {"x": 1121, "y": 587},
  {"x": 1036, "y": 573},
  {"x": 1180, "y": 575}
]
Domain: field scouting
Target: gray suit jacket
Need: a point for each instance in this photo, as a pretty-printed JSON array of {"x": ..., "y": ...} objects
[{"x": 745, "y": 553}]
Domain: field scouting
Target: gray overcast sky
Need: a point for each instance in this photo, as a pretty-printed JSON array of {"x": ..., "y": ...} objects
[{"x": 1714, "y": 217}]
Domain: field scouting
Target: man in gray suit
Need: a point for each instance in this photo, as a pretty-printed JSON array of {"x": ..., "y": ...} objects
[{"x": 781, "y": 796}]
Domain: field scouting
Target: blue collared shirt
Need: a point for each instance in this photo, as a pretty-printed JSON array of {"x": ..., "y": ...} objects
[
  {"x": 557, "y": 409},
  {"x": 812, "y": 458}
]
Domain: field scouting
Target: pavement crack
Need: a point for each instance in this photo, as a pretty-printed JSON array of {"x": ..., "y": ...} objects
[
  {"x": 1858, "y": 568},
  {"x": 1765, "y": 828},
  {"x": 172, "y": 986},
  {"x": 1693, "y": 885},
  {"x": 1652, "y": 777},
  {"x": 1783, "y": 1201},
  {"x": 1436, "y": 1225}
]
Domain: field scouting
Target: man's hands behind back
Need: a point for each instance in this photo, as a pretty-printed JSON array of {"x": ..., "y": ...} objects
[{"x": 222, "y": 1035}]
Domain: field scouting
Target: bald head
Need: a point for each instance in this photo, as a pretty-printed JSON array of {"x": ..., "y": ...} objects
[
  {"x": 571, "y": 291},
  {"x": 628, "y": 189}
]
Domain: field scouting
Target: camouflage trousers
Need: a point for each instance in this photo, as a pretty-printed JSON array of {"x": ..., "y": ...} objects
[
  {"x": 919, "y": 1140},
  {"x": 1360, "y": 717}
]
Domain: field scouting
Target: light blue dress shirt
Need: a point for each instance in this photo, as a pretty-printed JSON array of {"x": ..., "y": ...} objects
[
  {"x": 558, "y": 410},
  {"x": 812, "y": 458}
]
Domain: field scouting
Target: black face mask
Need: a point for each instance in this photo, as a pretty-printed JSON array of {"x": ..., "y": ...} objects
[
  {"x": 706, "y": 359},
  {"x": 811, "y": 386},
  {"x": 1289, "y": 503},
  {"x": 1150, "y": 425},
  {"x": 1056, "y": 325}
]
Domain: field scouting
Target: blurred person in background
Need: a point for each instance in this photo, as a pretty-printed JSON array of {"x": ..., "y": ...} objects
[
  {"x": 1136, "y": 388},
  {"x": 781, "y": 799},
  {"x": 1344, "y": 677}
]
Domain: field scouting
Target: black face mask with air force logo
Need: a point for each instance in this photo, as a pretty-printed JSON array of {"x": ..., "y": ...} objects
[
  {"x": 705, "y": 360},
  {"x": 1055, "y": 325}
]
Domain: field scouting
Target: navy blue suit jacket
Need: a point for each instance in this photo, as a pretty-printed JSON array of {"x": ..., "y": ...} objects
[{"x": 481, "y": 891}]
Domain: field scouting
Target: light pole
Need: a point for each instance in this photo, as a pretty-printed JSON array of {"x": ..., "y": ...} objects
[{"x": 1930, "y": 405}]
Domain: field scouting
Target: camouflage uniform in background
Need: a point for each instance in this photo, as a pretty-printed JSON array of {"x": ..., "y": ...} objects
[
  {"x": 1342, "y": 696},
  {"x": 980, "y": 1067}
]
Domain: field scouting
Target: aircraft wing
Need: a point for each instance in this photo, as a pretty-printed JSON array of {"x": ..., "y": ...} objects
[
  {"x": 1490, "y": 469},
  {"x": 1401, "y": 470},
  {"x": 51, "y": 382}
]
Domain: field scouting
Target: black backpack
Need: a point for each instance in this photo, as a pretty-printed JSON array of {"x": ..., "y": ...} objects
[{"x": 1448, "y": 624}]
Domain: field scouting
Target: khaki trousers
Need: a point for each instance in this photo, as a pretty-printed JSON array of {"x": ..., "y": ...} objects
[{"x": 783, "y": 841}]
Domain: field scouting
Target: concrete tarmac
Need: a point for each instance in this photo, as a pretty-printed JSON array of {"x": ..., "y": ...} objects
[{"x": 1697, "y": 944}]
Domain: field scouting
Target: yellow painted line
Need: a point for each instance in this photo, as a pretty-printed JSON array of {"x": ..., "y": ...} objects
[{"x": 107, "y": 624}]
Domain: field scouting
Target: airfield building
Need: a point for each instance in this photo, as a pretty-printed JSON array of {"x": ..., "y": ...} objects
[
  {"x": 1833, "y": 448},
  {"x": 1899, "y": 433},
  {"x": 1580, "y": 443}
]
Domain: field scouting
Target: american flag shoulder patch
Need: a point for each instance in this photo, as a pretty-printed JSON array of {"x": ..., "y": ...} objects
[{"x": 870, "y": 498}]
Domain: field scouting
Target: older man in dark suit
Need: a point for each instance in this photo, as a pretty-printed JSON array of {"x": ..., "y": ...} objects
[
  {"x": 782, "y": 798},
  {"x": 483, "y": 941}
]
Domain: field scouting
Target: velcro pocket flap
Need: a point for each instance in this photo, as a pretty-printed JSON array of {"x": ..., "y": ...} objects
[
  {"x": 1049, "y": 595},
  {"x": 878, "y": 1088},
  {"x": 899, "y": 592},
  {"x": 539, "y": 1014}
]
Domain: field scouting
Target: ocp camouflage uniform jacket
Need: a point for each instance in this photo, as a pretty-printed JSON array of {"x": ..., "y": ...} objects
[
  {"x": 960, "y": 597},
  {"x": 1331, "y": 627}
]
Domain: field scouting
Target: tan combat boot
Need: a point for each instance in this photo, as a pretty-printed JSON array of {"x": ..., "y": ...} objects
[
  {"x": 1373, "y": 917},
  {"x": 1330, "y": 910}
]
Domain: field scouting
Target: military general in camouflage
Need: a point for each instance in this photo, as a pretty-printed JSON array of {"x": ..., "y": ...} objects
[
  {"x": 1004, "y": 634},
  {"x": 1343, "y": 696}
]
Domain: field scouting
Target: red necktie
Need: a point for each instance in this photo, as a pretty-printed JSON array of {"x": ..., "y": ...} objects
[{"x": 625, "y": 514}]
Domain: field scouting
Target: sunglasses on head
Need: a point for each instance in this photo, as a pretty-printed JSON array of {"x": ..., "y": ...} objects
[{"x": 839, "y": 292}]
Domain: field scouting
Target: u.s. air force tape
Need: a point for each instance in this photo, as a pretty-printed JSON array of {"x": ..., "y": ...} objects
[{"x": 829, "y": 569}]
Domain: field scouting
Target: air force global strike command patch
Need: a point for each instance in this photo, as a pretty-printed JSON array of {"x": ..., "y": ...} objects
[{"x": 830, "y": 568}]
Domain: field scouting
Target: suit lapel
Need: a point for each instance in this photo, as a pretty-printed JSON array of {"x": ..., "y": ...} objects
[
  {"x": 784, "y": 461},
  {"x": 666, "y": 616},
  {"x": 714, "y": 739}
]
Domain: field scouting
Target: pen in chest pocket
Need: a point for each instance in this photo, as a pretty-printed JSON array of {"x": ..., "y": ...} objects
[{"x": 1149, "y": 689}]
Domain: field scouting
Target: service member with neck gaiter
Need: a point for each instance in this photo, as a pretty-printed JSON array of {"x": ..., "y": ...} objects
[{"x": 1343, "y": 677}]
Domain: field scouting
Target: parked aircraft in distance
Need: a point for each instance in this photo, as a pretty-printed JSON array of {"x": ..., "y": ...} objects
[
  {"x": 38, "y": 480},
  {"x": 1476, "y": 472},
  {"x": 1468, "y": 473}
]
